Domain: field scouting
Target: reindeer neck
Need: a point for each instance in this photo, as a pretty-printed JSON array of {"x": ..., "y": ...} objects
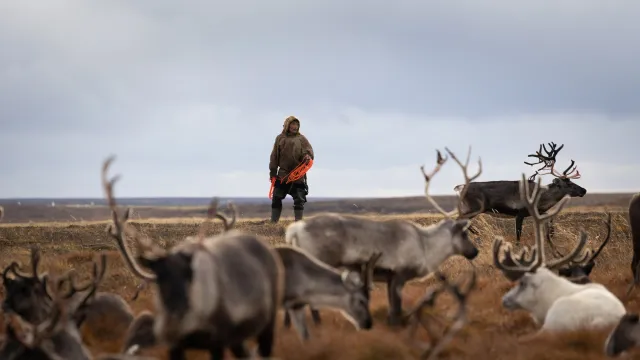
[
  {"x": 436, "y": 244},
  {"x": 551, "y": 195}
]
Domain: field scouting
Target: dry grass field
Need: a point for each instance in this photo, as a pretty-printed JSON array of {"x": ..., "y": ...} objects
[{"x": 492, "y": 333}]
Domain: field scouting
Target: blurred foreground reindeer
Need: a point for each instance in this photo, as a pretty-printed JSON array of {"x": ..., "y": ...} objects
[
  {"x": 554, "y": 302},
  {"x": 213, "y": 292},
  {"x": 634, "y": 225},
  {"x": 408, "y": 250},
  {"x": 57, "y": 336},
  {"x": 28, "y": 296},
  {"x": 502, "y": 198},
  {"x": 624, "y": 337},
  {"x": 427, "y": 303}
]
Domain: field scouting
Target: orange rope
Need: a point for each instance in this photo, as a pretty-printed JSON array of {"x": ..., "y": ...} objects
[
  {"x": 294, "y": 175},
  {"x": 273, "y": 184},
  {"x": 299, "y": 171}
]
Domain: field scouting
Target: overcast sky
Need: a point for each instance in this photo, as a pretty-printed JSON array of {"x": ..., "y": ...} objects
[{"x": 190, "y": 95}]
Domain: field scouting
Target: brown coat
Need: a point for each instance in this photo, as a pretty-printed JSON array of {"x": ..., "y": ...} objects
[{"x": 289, "y": 150}]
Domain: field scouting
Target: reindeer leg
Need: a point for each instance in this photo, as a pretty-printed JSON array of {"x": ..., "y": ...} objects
[
  {"x": 315, "y": 315},
  {"x": 299, "y": 322},
  {"x": 394, "y": 293},
  {"x": 287, "y": 319},
  {"x": 265, "y": 339},
  {"x": 519, "y": 222}
]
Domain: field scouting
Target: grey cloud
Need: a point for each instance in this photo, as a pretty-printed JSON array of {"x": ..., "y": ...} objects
[{"x": 185, "y": 93}]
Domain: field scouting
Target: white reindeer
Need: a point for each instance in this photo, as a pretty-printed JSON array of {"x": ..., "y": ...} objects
[{"x": 554, "y": 302}]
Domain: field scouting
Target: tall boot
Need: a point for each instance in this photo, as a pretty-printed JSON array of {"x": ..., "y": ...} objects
[
  {"x": 275, "y": 214},
  {"x": 297, "y": 214}
]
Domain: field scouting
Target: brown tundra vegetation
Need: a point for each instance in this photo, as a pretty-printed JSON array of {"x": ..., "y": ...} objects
[{"x": 490, "y": 333}]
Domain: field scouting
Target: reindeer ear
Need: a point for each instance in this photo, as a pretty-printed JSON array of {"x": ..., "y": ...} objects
[{"x": 461, "y": 225}]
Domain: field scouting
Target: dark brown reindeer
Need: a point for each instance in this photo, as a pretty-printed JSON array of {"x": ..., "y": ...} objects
[
  {"x": 502, "y": 197},
  {"x": 634, "y": 226}
]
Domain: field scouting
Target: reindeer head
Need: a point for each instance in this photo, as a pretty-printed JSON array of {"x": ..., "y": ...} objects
[
  {"x": 172, "y": 271},
  {"x": 561, "y": 181},
  {"x": 355, "y": 305},
  {"x": 25, "y": 294},
  {"x": 530, "y": 268},
  {"x": 624, "y": 336},
  {"x": 579, "y": 272},
  {"x": 457, "y": 228}
]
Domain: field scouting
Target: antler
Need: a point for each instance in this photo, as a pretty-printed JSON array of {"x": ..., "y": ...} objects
[
  {"x": 31, "y": 335},
  {"x": 550, "y": 161},
  {"x": 212, "y": 212},
  {"x": 116, "y": 230},
  {"x": 467, "y": 179},
  {"x": 511, "y": 265},
  {"x": 431, "y": 350},
  {"x": 590, "y": 256},
  {"x": 99, "y": 269}
]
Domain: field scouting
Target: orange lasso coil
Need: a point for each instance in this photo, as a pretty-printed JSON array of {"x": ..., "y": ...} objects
[{"x": 294, "y": 175}]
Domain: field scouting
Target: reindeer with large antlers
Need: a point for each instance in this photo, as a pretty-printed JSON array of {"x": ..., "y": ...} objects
[
  {"x": 501, "y": 197},
  {"x": 408, "y": 250},
  {"x": 553, "y": 301},
  {"x": 213, "y": 292}
]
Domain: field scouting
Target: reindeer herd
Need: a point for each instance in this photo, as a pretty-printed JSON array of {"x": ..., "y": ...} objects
[{"x": 217, "y": 292}]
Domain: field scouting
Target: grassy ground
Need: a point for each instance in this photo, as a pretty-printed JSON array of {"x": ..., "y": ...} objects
[{"x": 492, "y": 333}]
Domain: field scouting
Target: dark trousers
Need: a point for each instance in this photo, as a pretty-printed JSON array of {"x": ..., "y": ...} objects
[{"x": 298, "y": 192}]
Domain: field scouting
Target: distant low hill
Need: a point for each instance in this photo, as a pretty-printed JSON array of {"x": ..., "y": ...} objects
[{"x": 44, "y": 210}]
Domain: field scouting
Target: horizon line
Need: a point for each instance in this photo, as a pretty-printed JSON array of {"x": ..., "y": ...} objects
[{"x": 600, "y": 192}]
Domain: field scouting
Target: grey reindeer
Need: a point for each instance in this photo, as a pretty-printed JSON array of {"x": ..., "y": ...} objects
[
  {"x": 27, "y": 295},
  {"x": 409, "y": 251},
  {"x": 213, "y": 292},
  {"x": 308, "y": 281},
  {"x": 624, "y": 337},
  {"x": 57, "y": 336},
  {"x": 501, "y": 198}
]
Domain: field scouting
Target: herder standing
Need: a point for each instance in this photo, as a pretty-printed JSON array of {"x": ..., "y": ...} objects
[{"x": 290, "y": 149}]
